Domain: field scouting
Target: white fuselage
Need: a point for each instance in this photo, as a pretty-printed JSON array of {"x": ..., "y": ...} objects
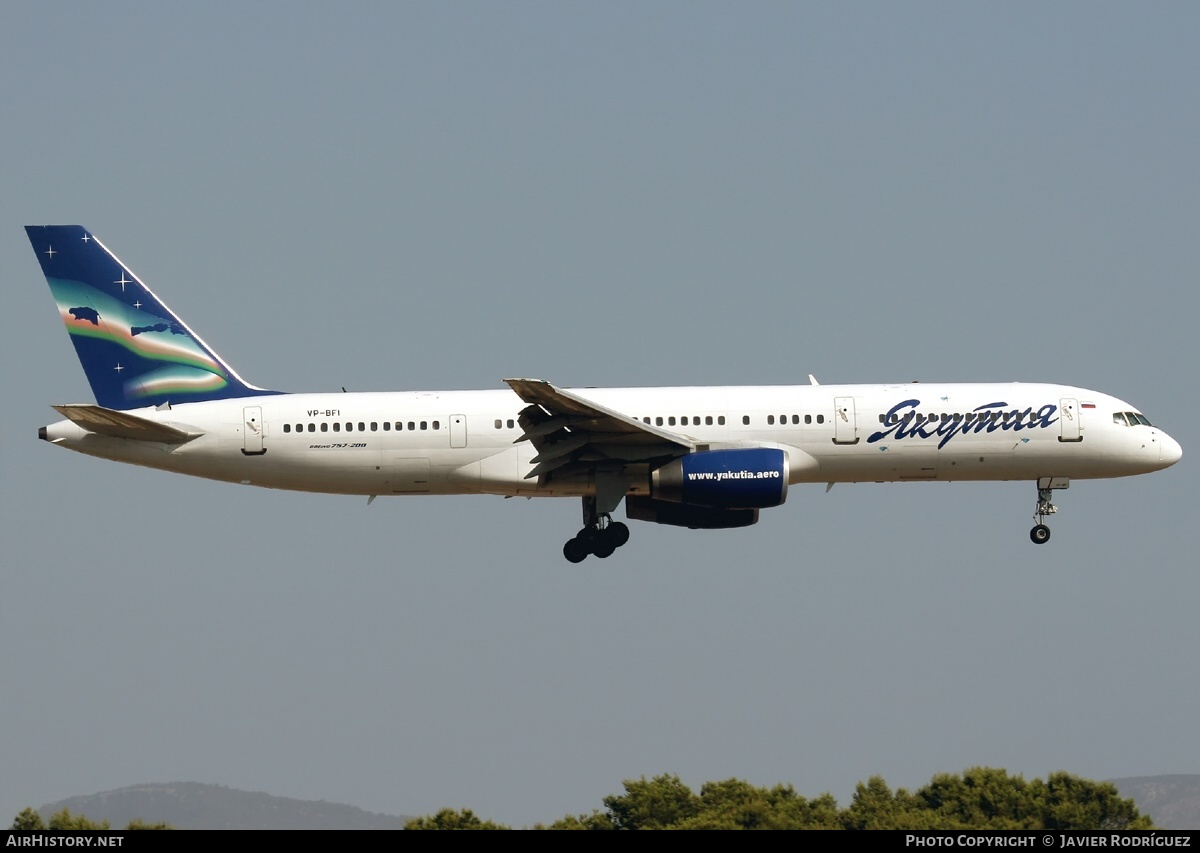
[{"x": 460, "y": 442}]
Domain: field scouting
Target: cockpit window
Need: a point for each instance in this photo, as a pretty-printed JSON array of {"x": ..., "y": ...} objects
[{"x": 1131, "y": 419}]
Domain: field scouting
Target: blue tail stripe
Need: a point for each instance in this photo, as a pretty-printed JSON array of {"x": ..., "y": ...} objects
[{"x": 133, "y": 348}]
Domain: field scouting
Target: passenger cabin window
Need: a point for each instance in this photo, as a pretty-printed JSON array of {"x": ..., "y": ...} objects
[{"x": 745, "y": 420}]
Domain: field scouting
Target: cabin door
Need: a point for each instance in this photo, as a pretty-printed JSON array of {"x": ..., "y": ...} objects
[
  {"x": 458, "y": 430},
  {"x": 1068, "y": 420},
  {"x": 252, "y": 431},
  {"x": 845, "y": 425}
]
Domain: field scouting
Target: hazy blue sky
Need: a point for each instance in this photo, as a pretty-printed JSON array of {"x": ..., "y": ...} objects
[{"x": 440, "y": 195}]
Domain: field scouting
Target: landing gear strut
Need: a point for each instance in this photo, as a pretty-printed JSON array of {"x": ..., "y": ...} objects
[
  {"x": 1040, "y": 534},
  {"x": 600, "y": 535}
]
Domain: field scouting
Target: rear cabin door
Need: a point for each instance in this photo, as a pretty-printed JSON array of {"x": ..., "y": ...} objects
[{"x": 252, "y": 431}]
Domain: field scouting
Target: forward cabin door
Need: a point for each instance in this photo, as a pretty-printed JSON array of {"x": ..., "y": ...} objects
[
  {"x": 845, "y": 423},
  {"x": 1068, "y": 419}
]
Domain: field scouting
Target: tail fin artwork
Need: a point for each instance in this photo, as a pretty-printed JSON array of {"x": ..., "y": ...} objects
[{"x": 134, "y": 350}]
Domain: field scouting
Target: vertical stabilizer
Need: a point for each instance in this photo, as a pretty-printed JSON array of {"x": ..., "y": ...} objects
[{"x": 134, "y": 350}]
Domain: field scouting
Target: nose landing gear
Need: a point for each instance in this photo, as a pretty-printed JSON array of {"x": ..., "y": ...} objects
[{"x": 1040, "y": 534}]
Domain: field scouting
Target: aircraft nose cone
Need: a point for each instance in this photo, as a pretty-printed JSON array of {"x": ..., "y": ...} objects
[{"x": 1169, "y": 451}]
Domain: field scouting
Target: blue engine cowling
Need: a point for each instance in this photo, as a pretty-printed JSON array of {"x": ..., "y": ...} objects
[
  {"x": 749, "y": 478},
  {"x": 642, "y": 508}
]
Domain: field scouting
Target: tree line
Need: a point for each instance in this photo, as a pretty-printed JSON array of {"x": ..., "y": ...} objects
[
  {"x": 979, "y": 798},
  {"x": 62, "y": 819}
]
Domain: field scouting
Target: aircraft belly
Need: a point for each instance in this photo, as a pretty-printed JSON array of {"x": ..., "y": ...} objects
[
  {"x": 341, "y": 470},
  {"x": 982, "y": 458},
  {"x": 500, "y": 473},
  {"x": 872, "y": 463}
]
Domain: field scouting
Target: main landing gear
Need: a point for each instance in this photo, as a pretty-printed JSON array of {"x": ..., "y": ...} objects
[
  {"x": 1040, "y": 534},
  {"x": 600, "y": 535}
]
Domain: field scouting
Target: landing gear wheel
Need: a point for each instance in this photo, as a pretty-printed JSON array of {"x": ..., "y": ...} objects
[
  {"x": 618, "y": 533},
  {"x": 600, "y": 535},
  {"x": 575, "y": 550},
  {"x": 1040, "y": 534}
]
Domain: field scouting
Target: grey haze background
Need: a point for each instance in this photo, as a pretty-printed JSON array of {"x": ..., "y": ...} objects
[{"x": 419, "y": 196}]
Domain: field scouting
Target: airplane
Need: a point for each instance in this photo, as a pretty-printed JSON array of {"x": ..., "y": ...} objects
[{"x": 696, "y": 457}]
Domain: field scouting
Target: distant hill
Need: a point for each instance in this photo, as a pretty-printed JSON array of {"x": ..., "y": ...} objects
[
  {"x": 1172, "y": 801},
  {"x": 192, "y": 805}
]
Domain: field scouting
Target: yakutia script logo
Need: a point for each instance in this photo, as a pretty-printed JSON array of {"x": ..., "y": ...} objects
[{"x": 903, "y": 421}]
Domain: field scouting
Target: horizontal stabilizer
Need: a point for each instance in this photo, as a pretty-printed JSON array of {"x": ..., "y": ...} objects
[{"x": 104, "y": 421}]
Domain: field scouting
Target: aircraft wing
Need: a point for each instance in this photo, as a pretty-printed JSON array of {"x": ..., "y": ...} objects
[
  {"x": 122, "y": 424},
  {"x": 573, "y": 434}
]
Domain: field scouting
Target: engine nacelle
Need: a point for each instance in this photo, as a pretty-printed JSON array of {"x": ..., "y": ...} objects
[
  {"x": 641, "y": 508},
  {"x": 739, "y": 478}
]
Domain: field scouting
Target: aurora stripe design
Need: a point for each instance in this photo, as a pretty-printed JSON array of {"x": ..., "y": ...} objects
[
  {"x": 135, "y": 351},
  {"x": 114, "y": 321},
  {"x": 174, "y": 381}
]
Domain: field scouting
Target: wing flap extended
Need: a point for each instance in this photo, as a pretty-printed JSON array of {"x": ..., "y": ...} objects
[
  {"x": 116, "y": 424},
  {"x": 587, "y": 415},
  {"x": 575, "y": 435}
]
